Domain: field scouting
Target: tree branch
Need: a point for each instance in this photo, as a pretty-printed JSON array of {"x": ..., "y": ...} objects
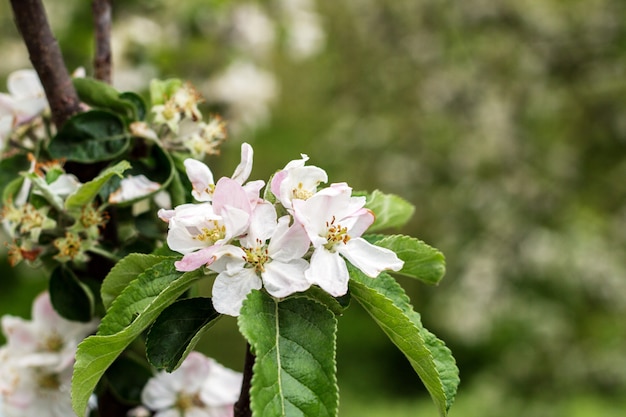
[
  {"x": 102, "y": 27},
  {"x": 45, "y": 55},
  {"x": 242, "y": 406}
]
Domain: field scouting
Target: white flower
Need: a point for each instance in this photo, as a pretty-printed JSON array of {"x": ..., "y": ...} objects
[
  {"x": 270, "y": 255},
  {"x": 26, "y": 98},
  {"x": 201, "y": 176},
  {"x": 297, "y": 181},
  {"x": 334, "y": 221},
  {"x": 200, "y": 387},
  {"x": 132, "y": 188},
  {"x": 48, "y": 340}
]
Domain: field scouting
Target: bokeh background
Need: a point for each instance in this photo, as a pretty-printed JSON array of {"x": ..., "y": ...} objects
[{"x": 503, "y": 122}]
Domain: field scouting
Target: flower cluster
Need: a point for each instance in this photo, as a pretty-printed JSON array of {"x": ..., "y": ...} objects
[
  {"x": 296, "y": 236},
  {"x": 36, "y": 363},
  {"x": 200, "y": 387}
]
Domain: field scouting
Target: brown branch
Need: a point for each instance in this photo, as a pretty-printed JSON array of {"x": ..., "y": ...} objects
[
  {"x": 45, "y": 55},
  {"x": 102, "y": 27},
  {"x": 242, "y": 406}
]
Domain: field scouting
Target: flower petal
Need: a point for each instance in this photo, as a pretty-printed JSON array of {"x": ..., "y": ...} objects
[
  {"x": 201, "y": 179},
  {"x": 329, "y": 271},
  {"x": 243, "y": 170},
  {"x": 285, "y": 278},
  {"x": 229, "y": 290},
  {"x": 370, "y": 259}
]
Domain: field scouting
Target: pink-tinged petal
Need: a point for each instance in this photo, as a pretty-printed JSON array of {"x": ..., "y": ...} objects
[
  {"x": 285, "y": 278},
  {"x": 229, "y": 291},
  {"x": 329, "y": 271},
  {"x": 236, "y": 221},
  {"x": 201, "y": 179},
  {"x": 228, "y": 258},
  {"x": 229, "y": 192},
  {"x": 221, "y": 386},
  {"x": 195, "y": 260},
  {"x": 20, "y": 333},
  {"x": 312, "y": 215},
  {"x": 288, "y": 242},
  {"x": 243, "y": 170},
  {"x": 166, "y": 214},
  {"x": 193, "y": 371},
  {"x": 262, "y": 225},
  {"x": 43, "y": 313},
  {"x": 370, "y": 259},
  {"x": 362, "y": 220},
  {"x": 253, "y": 190},
  {"x": 301, "y": 183},
  {"x": 277, "y": 179}
]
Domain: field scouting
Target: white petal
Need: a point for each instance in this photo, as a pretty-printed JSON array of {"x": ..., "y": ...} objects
[
  {"x": 201, "y": 179},
  {"x": 221, "y": 386},
  {"x": 370, "y": 259},
  {"x": 24, "y": 83},
  {"x": 282, "y": 279},
  {"x": 329, "y": 271},
  {"x": 229, "y": 291},
  {"x": 288, "y": 243},
  {"x": 243, "y": 170},
  {"x": 262, "y": 225}
]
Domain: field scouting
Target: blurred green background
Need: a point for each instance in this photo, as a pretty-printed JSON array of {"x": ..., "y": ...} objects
[{"x": 504, "y": 122}]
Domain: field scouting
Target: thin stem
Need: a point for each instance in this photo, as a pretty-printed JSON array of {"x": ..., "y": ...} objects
[
  {"x": 102, "y": 27},
  {"x": 242, "y": 406},
  {"x": 45, "y": 55}
]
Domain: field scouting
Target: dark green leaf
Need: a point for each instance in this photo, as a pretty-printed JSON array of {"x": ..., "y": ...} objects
[
  {"x": 91, "y": 136},
  {"x": 177, "y": 330},
  {"x": 421, "y": 261},
  {"x": 131, "y": 313},
  {"x": 388, "y": 305},
  {"x": 100, "y": 94},
  {"x": 137, "y": 102},
  {"x": 127, "y": 376},
  {"x": 70, "y": 298},
  {"x": 294, "y": 343}
]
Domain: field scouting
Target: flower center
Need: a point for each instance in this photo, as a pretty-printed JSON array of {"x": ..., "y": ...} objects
[
  {"x": 53, "y": 343},
  {"x": 69, "y": 247},
  {"x": 210, "y": 235},
  {"x": 48, "y": 381},
  {"x": 257, "y": 257},
  {"x": 335, "y": 234},
  {"x": 301, "y": 193},
  {"x": 186, "y": 401}
]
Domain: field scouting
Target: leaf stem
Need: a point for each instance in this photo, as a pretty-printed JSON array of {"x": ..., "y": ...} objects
[
  {"x": 242, "y": 406},
  {"x": 45, "y": 55}
]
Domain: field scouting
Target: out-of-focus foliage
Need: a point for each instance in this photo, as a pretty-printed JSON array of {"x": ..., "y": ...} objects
[{"x": 503, "y": 122}]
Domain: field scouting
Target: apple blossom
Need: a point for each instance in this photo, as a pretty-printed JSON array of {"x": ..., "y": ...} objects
[
  {"x": 132, "y": 188},
  {"x": 200, "y": 387},
  {"x": 270, "y": 255},
  {"x": 297, "y": 181},
  {"x": 334, "y": 221},
  {"x": 26, "y": 98}
]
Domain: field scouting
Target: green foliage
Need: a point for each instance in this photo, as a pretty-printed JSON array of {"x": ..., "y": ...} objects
[
  {"x": 99, "y": 94},
  {"x": 177, "y": 330},
  {"x": 92, "y": 136},
  {"x": 391, "y": 210},
  {"x": 294, "y": 342},
  {"x": 88, "y": 191},
  {"x": 389, "y": 306},
  {"x": 70, "y": 297},
  {"x": 421, "y": 261},
  {"x": 132, "y": 312},
  {"x": 162, "y": 90}
]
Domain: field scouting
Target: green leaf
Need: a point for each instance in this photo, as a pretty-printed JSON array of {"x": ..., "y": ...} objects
[
  {"x": 387, "y": 303},
  {"x": 177, "y": 330},
  {"x": 127, "y": 376},
  {"x": 70, "y": 298},
  {"x": 294, "y": 343},
  {"x": 92, "y": 136},
  {"x": 44, "y": 189},
  {"x": 131, "y": 313},
  {"x": 391, "y": 211},
  {"x": 162, "y": 90},
  {"x": 100, "y": 94},
  {"x": 125, "y": 271},
  {"x": 88, "y": 191},
  {"x": 335, "y": 304},
  {"x": 9, "y": 170},
  {"x": 421, "y": 261},
  {"x": 139, "y": 107}
]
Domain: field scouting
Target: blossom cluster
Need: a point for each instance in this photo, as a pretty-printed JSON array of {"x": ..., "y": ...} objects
[
  {"x": 36, "y": 363},
  {"x": 200, "y": 387},
  {"x": 295, "y": 236}
]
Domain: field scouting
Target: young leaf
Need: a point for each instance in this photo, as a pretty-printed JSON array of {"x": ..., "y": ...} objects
[
  {"x": 388, "y": 305},
  {"x": 125, "y": 271},
  {"x": 87, "y": 192},
  {"x": 44, "y": 189},
  {"x": 130, "y": 314},
  {"x": 71, "y": 298},
  {"x": 139, "y": 107},
  {"x": 420, "y": 260},
  {"x": 390, "y": 210},
  {"x": 294, "y": 343},
  {"x": 162, "y": 90},
  {"x": 100, "y": 94},
  {"x": 92, "y": 136},
  {"x": 177, "y": 330}
]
